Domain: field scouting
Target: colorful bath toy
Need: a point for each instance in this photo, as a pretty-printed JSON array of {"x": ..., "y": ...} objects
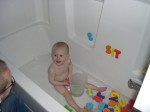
[
  {"x": 116, "y": 109},
  {"x": 112, "y": 51},
  {"x": 68, "y": 108},
  {"x": 89, "y": 92},
  {"x": 114, "y": 94},
  {"x": 130, "y": 104},
  {"x": 124, "y": 109},
  {"x": 100, "y": 95},
  {"x": 122, "y": 103},
  {"x": 90, "y": 36},
  {"x": 106, "y": 110},
  {"x": 89, "y": 106},
  {"x": 97, "y": 98},
  {"x": 101, "y": 106},
  {"x": 112, "y": 103},
  {"x": 113, "y": 98}
]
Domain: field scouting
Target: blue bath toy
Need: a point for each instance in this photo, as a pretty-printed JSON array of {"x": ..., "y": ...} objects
[
  {"x": 89, "y": 106},
  {"x": 101, "y": 106},
  {"x": 90, "y": 36}
]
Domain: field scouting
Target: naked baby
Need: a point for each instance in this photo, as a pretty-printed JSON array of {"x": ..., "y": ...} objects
[{"x": 60, "y": 72}]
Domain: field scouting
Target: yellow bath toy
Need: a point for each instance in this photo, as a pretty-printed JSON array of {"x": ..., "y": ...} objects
[
  {"x": 116, "y": 109},
  {"x": 114, "y": 94},
  {"x": 122, "y": 103},
  {"x": 90, "y": 92}
]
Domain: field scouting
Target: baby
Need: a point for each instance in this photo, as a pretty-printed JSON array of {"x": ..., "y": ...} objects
[{"x": 60, "y": 71}]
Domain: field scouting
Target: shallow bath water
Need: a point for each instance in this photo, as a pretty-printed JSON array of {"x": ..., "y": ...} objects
[{"x": 37, "y": 71}]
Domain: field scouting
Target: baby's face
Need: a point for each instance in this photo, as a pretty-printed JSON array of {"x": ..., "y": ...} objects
[{"x": 59, "y": 56}]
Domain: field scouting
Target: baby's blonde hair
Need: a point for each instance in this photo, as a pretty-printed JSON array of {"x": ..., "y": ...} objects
[{"x": 58, "y": 45}]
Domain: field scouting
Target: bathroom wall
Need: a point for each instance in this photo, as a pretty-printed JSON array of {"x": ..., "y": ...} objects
[
  {"x": 23, "y": 30},
  {"x": 19, "y": 14}
]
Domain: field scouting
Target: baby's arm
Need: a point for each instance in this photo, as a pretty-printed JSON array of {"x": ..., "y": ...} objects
[
  {"x": 70, "y": 71},
  {"x": 51, "y": 78}
]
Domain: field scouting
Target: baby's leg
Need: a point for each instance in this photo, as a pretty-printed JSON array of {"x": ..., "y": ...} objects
[
  {"x": 100, "y": 89},
  {"x": 68, "y": 97}
]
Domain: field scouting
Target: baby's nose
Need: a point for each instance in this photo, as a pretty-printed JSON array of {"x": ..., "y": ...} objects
[{"x": 58, "y": 57}]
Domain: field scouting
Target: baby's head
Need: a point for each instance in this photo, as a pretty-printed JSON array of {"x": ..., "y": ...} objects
[
  {"x": 60, "y": 52},
  {"x": 60, "y": 45}
]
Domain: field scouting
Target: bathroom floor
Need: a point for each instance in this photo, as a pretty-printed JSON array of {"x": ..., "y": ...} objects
[{"x": 37, "y": 71}]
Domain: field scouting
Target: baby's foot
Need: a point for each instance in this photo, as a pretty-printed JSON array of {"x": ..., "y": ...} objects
[{"x": 101, "y": 89}]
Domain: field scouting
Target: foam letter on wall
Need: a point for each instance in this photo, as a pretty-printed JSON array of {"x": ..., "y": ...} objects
[
  {"x": 112, "y": 51},
  {"x": 108, "y": 49},
  {"x": 117, "y": 53}
]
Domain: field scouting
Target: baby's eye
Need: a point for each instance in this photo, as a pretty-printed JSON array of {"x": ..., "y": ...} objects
[
  {"x": 61, "y": 55},
  {"x": 55, "y": 55}
]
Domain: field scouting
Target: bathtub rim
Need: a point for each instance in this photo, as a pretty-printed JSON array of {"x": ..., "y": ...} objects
[{"x": 49, "y": 105}]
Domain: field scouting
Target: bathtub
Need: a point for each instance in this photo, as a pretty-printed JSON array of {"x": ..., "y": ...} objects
[{"x": 31, "y": 73}]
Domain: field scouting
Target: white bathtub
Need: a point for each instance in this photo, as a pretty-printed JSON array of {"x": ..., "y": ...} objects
[{"x": 31, "y": 74}]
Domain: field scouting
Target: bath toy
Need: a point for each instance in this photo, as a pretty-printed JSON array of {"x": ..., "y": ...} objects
[
  {"x": 97, "y": 98},
  {"x": 108, "y": 49},
  {"x": 122, "y": 103},
  {"x": 124, "y": 109},
  {"x": 112, "y": 51},
  {"x": 113, "y": 98},
  {"x": 114, "y": 94},
  {"x": 106, "y": 106},
  {"x": 89, "y": 111},
  {"x": 89, "y": 92},
  {"x": 117, "y": 53},
  {"x": 100, "y": 95},
  {"x": 116, "y": 109},
  {"x": 68, "y": 108},
  {"x": 89, "y": 106},
  {"x": 106, "y": 110},
  {"x": 101, "y": 106},
  {"x": 112, "y": 103},
  {"x": 90, "y": 36},
  {"x": 130, "y": 104}
]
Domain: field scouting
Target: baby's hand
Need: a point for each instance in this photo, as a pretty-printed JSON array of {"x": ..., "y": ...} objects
[
  {"x": 66, "y": 83},
  {"x": 69, "y": 80}
]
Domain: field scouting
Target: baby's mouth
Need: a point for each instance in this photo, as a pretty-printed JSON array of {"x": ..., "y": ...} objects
[{"x": 58, "y": 61}]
